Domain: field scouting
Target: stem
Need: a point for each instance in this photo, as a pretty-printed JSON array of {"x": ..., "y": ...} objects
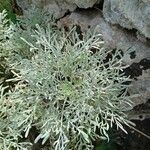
[{"x": 140, "y": 132}]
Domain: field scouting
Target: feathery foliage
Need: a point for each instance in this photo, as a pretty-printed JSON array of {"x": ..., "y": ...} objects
[{"x": 66, "y": 89}]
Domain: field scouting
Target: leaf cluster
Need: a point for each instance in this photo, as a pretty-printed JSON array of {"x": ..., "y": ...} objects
[{"x": 65, "y": 88}]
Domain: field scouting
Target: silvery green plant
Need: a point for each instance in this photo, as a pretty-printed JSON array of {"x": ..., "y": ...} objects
[
  {"x": 6, "y": 32},
  {"x": 12, "y": 47},
  {"x": 67, "y": 90}
]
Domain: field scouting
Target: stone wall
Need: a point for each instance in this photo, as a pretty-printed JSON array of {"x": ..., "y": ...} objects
[{"x": 131, "y": 14}]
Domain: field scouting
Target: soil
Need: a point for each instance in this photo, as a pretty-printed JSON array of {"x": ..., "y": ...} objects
[{"x": 134, "y": 140}]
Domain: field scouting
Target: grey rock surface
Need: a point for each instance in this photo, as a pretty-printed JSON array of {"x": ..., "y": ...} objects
[
  {"x": 142, "y": 87},
  {"x": 58, "y": 7},
  {"x": 131, "y": 14}
]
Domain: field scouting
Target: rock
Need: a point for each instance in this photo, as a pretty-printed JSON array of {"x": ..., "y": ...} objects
[
  {"x": 132, "y": 14},
  {"x": 141, "y": 88},
  {"x": 83, "y": 3},
  {"x": 58, "y": 7}
]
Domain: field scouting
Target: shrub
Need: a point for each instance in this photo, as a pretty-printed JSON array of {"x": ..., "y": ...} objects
[{"x": 66, "y": 89}]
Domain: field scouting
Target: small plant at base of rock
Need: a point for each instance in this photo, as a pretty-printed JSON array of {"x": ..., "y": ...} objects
[{"x": 67, "y": 90}]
